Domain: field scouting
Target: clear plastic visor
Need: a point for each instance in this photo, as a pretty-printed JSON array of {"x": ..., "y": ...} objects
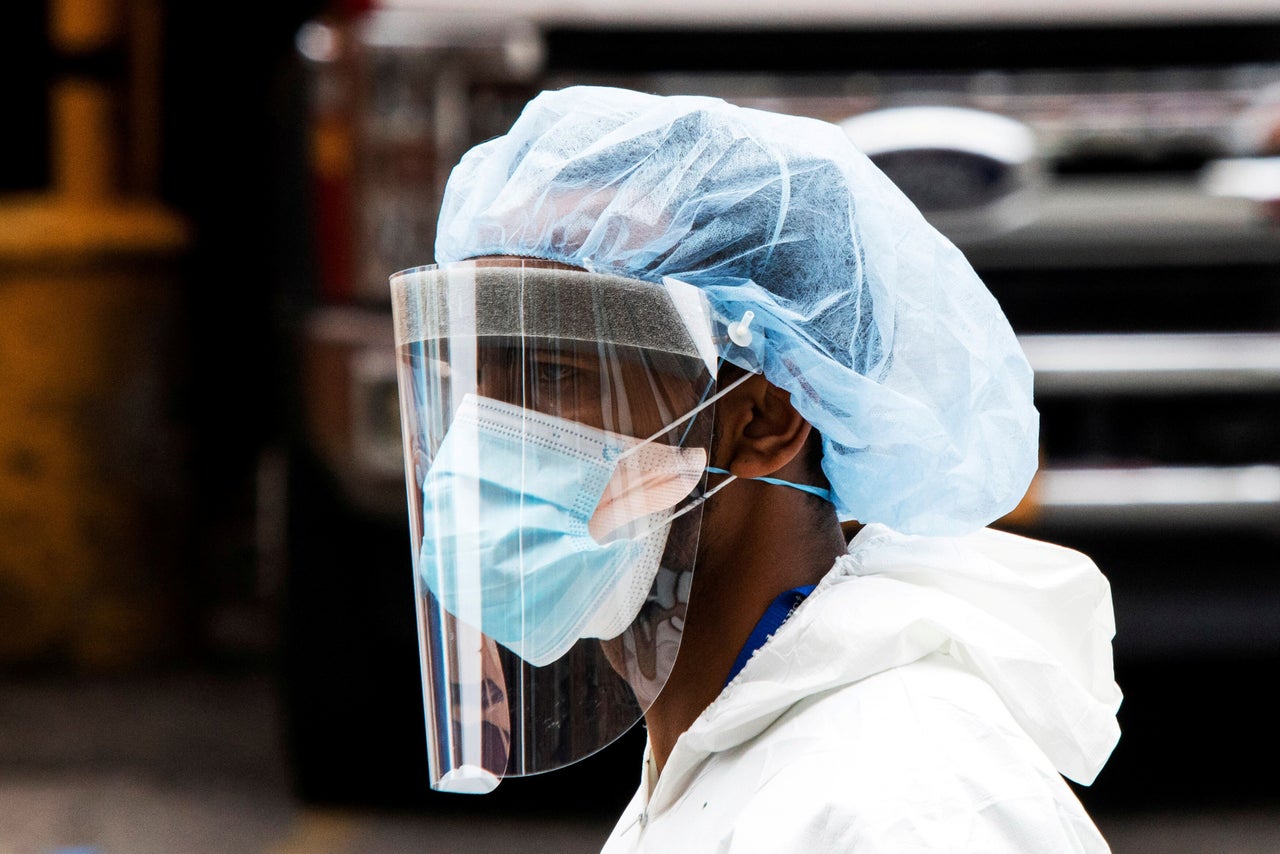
[{"x": 557, "y": 428}]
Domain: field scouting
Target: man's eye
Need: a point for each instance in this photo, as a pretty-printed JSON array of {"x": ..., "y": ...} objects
[{"x": 553, "y": 372}]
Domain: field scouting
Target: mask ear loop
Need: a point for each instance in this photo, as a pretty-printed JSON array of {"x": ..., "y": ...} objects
[
  {"x": 688, "y": 415},
  {"x": 710, "y": 384},
  {"x": 740, "y": 334},
  {"x": 692, "y": 504},
  {"x": 824, "y": 494},
  {"x": 701, "y": 499}
]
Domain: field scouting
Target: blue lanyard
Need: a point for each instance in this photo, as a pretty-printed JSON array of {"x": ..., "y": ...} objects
[{"x": 774, "y": 616}]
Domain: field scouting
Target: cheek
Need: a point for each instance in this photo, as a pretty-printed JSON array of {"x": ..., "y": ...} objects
[
  {"x": 720, "y": 455},
  {"x": 660, "y": 402}
]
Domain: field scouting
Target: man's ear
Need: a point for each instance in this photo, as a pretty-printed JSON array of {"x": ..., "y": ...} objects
[{"x": 760, "y": 432}]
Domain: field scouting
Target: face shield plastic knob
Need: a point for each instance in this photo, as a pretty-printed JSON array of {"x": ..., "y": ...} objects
[{"x": 557, "y": 426}]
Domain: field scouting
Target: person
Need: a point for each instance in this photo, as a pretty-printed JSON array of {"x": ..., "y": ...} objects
[{"x": 704, "y": 424}]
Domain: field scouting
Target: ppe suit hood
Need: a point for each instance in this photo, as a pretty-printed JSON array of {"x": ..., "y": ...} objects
[{"x": 1031, "y": 619}]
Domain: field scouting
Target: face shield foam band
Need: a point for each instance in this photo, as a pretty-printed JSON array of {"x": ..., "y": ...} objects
[{"x": 545, "y": 301}]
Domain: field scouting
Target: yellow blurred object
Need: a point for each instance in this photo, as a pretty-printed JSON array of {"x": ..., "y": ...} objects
[
  {"x": 332, "y": 150},
  {"x": 83, "y": 110},
  {"x": 46, "y": 230},
  {"x": 90, "y": 457},
  {"x": 84, "y": 25},
  {"x": 85, "y": 305}
]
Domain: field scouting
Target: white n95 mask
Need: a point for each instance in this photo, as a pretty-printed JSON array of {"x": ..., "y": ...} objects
[{"x": 544, "y": 529}]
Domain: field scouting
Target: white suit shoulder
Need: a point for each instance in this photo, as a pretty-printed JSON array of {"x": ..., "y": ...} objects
[
  {"x": 919, "y": 758},
  {"x": 927, "y": 696}
]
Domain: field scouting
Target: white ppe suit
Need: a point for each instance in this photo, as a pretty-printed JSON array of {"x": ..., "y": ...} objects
[{"x": 925, "y": 697}]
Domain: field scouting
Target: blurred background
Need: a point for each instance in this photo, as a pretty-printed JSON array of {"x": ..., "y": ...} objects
[{"x": 207, "y": 634}]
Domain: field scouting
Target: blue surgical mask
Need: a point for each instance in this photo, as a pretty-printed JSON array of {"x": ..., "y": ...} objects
[{"x": 541, "y": 531}]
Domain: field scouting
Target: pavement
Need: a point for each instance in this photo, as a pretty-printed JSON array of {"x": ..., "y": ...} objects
[{"x": 192, "y": 763}]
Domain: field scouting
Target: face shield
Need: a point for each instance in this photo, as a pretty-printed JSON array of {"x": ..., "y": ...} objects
[{"x": 557, "y": 426}]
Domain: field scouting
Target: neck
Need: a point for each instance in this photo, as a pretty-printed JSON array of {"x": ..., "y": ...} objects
[{"x": 758, "y": 541}]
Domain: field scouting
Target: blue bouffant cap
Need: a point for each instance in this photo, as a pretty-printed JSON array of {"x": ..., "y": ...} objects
[{"x": 885, "y": 337}]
